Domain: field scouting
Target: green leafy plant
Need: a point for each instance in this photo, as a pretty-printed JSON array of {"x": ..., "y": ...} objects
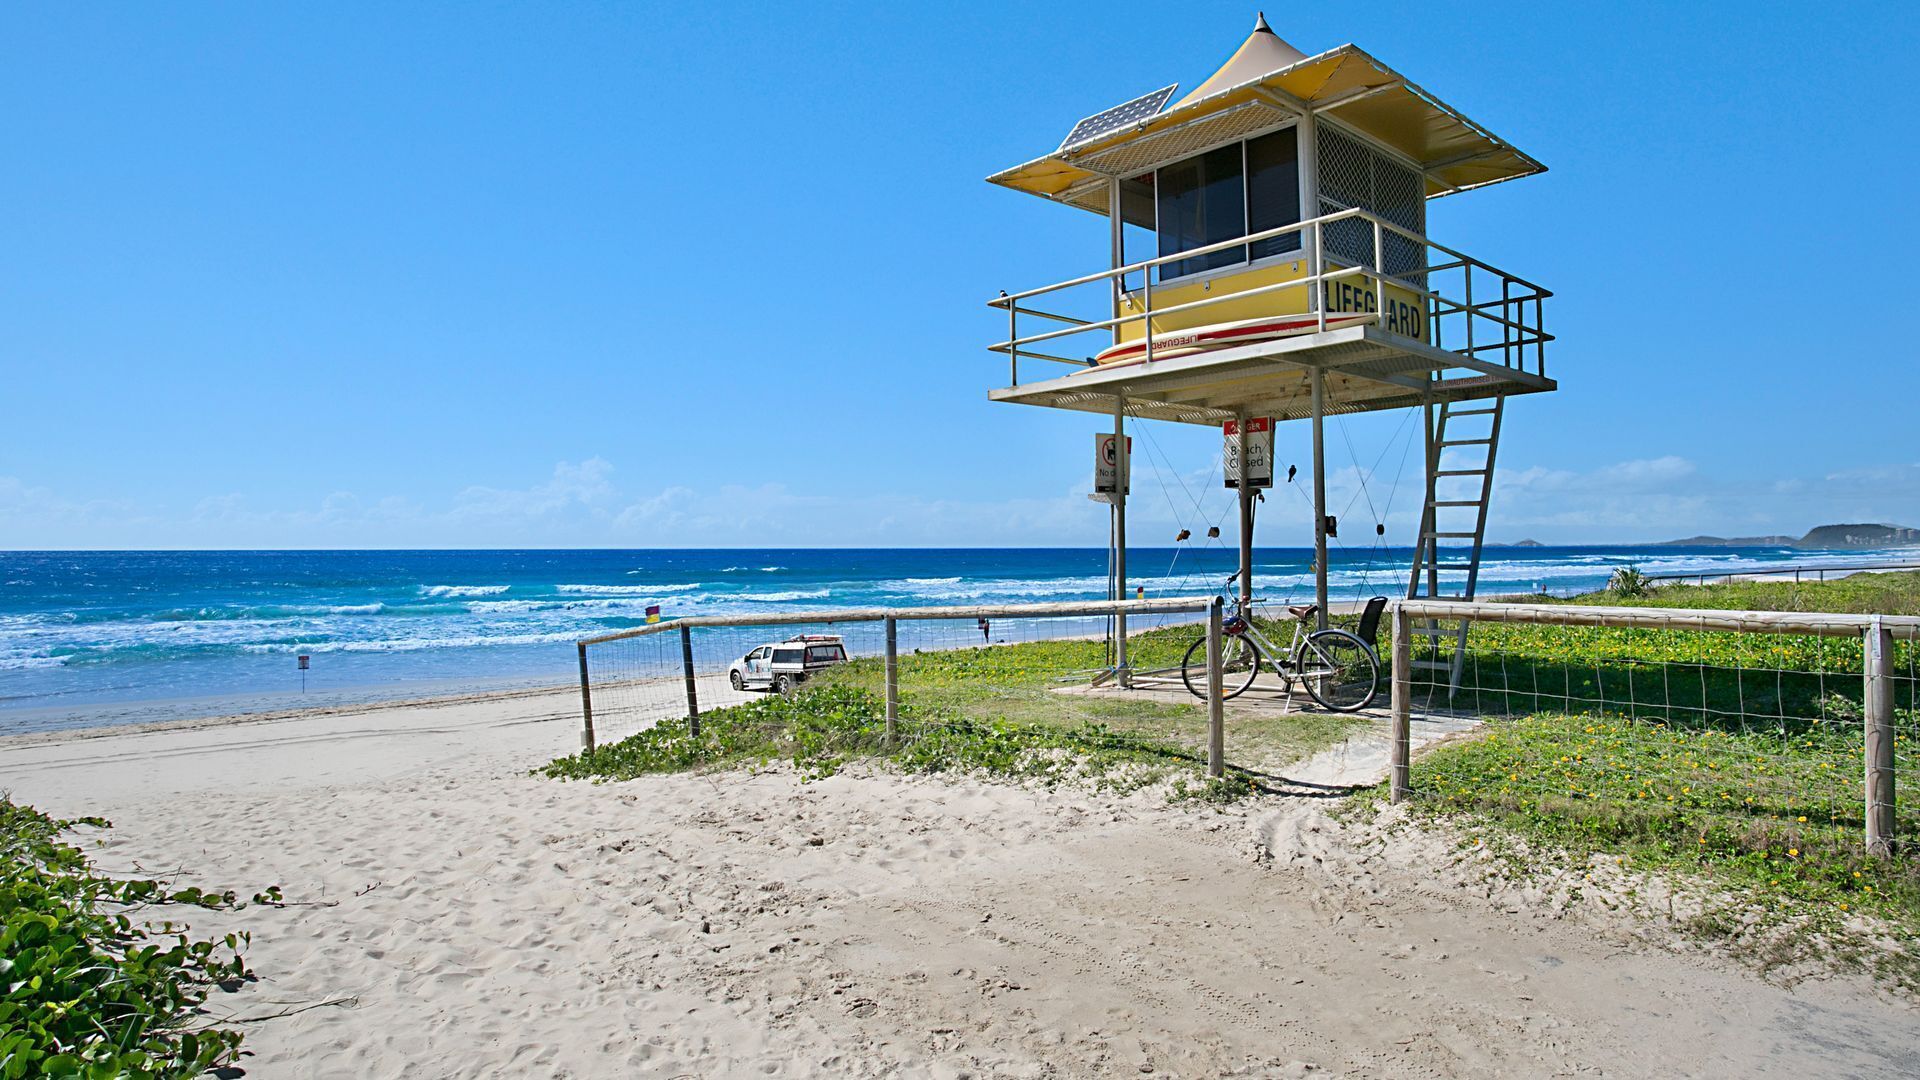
[
  {"x": 959, "y": 726},
  {"x": 1629, "y": 581},
  {"x": 90, "y": 988},
  {"x": 1773, "y": 820},
  {"x": 1733, "y": 759}
]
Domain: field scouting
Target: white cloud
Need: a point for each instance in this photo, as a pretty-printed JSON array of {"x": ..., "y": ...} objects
[
  {"x": 1643, "y": 499},
  {"x": 27, "y": 511},
  {"x": 581, "y": 504},
  {"x": 572, "y": 485}
]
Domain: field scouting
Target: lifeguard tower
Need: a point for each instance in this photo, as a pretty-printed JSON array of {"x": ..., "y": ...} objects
[{"x": 1269, "y": 259}]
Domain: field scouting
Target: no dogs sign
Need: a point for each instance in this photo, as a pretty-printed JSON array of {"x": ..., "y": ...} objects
[{"x": 1106, "y": 464}]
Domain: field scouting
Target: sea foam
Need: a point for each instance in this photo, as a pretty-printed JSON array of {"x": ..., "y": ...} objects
[
  {"x": 626, "y": 590},
  {"x": 463, "y": 590}
]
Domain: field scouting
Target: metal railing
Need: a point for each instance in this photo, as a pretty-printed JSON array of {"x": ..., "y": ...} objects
[
  {"x": 1489, "y": 325},
  {"x": 1817, "y": 573},
  {"x": 1878, "y": 671},
  {"x": 889, "y": 619}
]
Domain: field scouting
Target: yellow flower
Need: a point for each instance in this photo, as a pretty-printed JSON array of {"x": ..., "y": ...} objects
[
  {"x": 1803, "y": 819},
  {"x": 1793, "y": 853}
]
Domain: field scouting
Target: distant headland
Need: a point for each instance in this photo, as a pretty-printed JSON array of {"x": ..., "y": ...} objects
[{"x": 1823, "y": 537}]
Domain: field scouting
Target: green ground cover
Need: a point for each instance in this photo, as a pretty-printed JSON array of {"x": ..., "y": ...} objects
[
  {"x": 1007, "y": 711},
  {"x": 1794, "y": 681},
  {"x": 1736, "y": 759},
  {"x": 87, "y": 987}
]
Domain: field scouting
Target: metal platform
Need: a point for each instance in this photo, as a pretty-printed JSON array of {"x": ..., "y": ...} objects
[{"x": 1365, "y": 368}]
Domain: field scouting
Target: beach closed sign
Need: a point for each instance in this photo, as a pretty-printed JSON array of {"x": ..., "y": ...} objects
[
  {"x": 1259, "y": 452},
  {"x": 1106, "y": 464}
]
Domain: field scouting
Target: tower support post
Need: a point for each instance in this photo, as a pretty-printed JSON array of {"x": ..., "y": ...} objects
[
  {"x": 1118, "y": 241},
  {"x": 1122, "y": 469},
  {"x": 1245, "y": 494},
  {"x": 1320, "y": 496},
  {"x": 1309, "y": 149}
]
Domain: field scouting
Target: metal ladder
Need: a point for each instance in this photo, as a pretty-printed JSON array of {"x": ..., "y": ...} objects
[{"x": 1445, "y": 519}]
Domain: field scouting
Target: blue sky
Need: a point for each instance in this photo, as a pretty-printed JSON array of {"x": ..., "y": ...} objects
[{"x": 709, "y": 275}]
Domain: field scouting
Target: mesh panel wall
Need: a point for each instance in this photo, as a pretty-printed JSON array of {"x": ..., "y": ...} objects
[{"x": 1353, "y": 174}]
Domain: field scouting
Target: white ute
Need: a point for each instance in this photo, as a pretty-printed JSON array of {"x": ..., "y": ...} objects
[{"x": 786, "y": 664}]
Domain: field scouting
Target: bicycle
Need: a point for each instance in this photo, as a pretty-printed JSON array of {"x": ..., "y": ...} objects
[{"x": 1340, "y": 671}]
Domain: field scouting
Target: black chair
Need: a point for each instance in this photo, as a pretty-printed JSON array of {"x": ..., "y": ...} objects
[{"x": 1369, "y": 628}]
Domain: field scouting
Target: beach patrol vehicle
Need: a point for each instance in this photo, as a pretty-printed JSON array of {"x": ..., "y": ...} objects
[{"x": 784, "y": 665}]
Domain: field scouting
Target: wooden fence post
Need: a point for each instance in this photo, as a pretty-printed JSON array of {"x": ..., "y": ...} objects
[
  {"x": 1216, "y": 700},
  {"x": 586, "y": 705},
  {"x": 1400, "y": 739},
  {"x": 686, "y": 666},
  {"x": 1879, "y": 731},
  {"x": 893, "y": 680}
]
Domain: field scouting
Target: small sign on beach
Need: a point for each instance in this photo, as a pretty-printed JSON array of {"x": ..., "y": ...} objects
[
  {"x": 1259, "y": 441},
  {"x": 1106, "y": 464}
]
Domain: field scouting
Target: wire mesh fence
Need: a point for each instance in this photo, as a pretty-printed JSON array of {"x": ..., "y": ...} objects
[
  {"x": 1738, "y": 720},
  {"x": 879, "y": 681}
]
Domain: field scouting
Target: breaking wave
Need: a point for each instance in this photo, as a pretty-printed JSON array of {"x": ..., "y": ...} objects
[
  {"x": 625, "y": 590},
  {"x": 463, "y": 590},
  {"x": 779, "y": 597}
]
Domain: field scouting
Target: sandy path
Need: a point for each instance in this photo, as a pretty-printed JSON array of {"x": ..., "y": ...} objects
[{"x": 483, "y": 922}]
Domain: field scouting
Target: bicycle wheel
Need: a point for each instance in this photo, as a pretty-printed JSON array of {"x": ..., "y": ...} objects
[
  {"x": 1239, "y": 664},
  {"x": 1339, "y": 670}
]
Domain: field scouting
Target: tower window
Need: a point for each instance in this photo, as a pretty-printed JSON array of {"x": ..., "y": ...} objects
[
  {"x": 1221, "y": 195},
  {"x": 1273, "y": 190},
  {"x": 1202, "y": 201}
]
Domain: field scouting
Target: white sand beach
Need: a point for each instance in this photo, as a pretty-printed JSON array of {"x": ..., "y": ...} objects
[{"x": 450, "y": 915}]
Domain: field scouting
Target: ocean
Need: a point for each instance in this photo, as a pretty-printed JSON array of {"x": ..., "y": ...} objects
[{"x": 93, "y": 638}]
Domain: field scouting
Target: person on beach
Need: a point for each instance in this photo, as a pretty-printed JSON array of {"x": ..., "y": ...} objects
[{"x": 986, "y": 631}]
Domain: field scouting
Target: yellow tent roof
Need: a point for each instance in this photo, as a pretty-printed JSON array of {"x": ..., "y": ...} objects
[
  {"x": 1247, "y": 95},
  {"x": 1262, "y": 52}
]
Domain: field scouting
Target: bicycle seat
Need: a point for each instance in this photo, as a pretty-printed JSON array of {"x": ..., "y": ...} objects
[{"x": 1303, "y": 612}]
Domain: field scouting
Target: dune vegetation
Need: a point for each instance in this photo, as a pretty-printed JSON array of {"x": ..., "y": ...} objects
[
  {"x": 95, "y": 984},
  {"x": 1734, "y": 760},
  {"x": 1003, "y": 710}
]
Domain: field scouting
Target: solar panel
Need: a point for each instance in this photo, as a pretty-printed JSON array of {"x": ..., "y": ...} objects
[{"x": 1119, "y": 116}]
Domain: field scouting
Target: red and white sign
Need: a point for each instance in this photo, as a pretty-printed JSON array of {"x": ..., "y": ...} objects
[
  {"x": 1106, "y": 464},
  {"x": 1259, "y": 446}
]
